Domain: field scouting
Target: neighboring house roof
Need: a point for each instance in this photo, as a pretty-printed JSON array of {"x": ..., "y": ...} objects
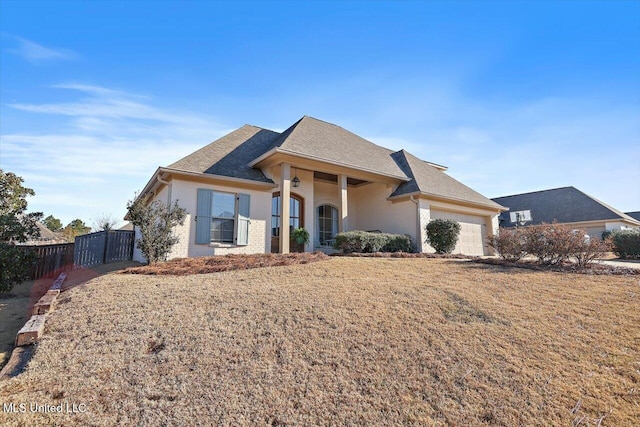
[
  {"x": 46, "y": 237},
  {"x": 429, "y": 180},
  {"x": 565, "y": 205},
  {"x": 634, "y": 215},
  {"x": 233, "y": 154}
]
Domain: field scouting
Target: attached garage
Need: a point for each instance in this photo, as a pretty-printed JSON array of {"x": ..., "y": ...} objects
[{"x": 473, "y": 232}]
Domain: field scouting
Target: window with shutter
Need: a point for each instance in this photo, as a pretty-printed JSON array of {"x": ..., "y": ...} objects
[{"x": 222, "y": 217}]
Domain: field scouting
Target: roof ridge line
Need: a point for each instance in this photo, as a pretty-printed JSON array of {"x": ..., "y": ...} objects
[{"x": 538, "y": 191}]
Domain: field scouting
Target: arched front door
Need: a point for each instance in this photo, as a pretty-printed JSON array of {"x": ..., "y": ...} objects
[{"x": 296, "y": 220}]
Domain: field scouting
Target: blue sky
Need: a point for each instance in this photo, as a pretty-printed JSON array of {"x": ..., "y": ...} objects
[{"x": 511, "y": 96}]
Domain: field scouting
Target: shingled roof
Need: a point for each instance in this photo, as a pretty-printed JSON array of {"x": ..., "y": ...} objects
[
  {"x": 334, "y": 144},
  {"x": 634, "y": 215},
  {"x": 429, "y": 180},
  {"x": 564, "y": 205},
  {"x": 232, "y": 154}
]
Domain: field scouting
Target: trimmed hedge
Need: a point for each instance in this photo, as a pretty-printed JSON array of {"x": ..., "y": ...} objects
[
  {"x": 626, "y": 243},
  {"x": 367, "y": 242},
  {"x": 442, "y": 235}
]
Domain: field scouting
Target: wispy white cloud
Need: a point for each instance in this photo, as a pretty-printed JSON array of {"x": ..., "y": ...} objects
[
  {"x": 37, "y": 53},
  {"x": 536, "y": 144},
  {"x": 109, "y": 144}
]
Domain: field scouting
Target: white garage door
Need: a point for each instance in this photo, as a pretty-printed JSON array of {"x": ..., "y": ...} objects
[{"x": 472, "y": 232}]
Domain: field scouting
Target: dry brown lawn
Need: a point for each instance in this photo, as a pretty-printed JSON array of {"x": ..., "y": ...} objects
[
  {"x": 348, "y": 341},
  {"x": 15, "y": 310}
]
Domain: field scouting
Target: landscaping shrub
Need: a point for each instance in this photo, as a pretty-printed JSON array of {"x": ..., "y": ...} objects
[
  {"x": 398, "y": 243},
  {"x": 442, "y": 235},
  {"x": 367, "y": 242},
  {"x": 509, "y": 244},
  {"x": 552, "y": 243},
  {"x": 626, "y": 243},
  {"x": 590, "y": 249}
]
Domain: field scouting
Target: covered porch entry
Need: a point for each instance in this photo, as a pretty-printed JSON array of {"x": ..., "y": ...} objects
[{"x": 321, "y": 201}]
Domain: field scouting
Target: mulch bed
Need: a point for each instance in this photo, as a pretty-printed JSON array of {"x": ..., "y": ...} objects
[
  {"x": 403, "y": 255},
  {"x": 214, "y": 264},
  {"x": 566, "y": 267}
]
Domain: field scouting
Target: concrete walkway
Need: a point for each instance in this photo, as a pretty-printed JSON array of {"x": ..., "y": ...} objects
[{"x": 626, "y": 263}]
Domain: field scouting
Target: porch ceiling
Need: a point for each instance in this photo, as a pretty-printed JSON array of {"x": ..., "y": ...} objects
[{"x": 323, "y": 176}]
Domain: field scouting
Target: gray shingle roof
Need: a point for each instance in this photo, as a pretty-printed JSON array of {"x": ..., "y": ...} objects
[
  {"x": 566, "y": 204},
  {"x": 634, "y": 214},
  {"x": 326, "y": 141},
  {"x": 230, "y": 155},
  {"x": 427, "y": 179}
]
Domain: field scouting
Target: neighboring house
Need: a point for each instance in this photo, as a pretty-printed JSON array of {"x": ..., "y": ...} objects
[
  {"x": 566, "y": 205},
  {"x": 239, "y": 189},
  {"x": 634, "y": 215},
  {"x": 47, "y": 237}
]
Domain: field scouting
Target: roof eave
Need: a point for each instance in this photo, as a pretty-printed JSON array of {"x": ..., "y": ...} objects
[
  {"x": 211, "y": 176},
  {"x": 278, "y": 150},
  {"x": 494, "y": 207}
]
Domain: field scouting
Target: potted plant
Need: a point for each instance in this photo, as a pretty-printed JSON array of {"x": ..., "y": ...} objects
[{"x": 300, "y": 235}]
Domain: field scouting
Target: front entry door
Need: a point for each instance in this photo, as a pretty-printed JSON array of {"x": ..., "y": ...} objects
[{"x": 296, "y": 220}]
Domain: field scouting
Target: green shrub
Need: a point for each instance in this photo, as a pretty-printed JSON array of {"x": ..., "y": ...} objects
[
  {"x": 367, "y": 242},
  {"x": 398, "y": 243},
  {"x": 442, "y": 235},
  {"x": 626, "y": 243}
]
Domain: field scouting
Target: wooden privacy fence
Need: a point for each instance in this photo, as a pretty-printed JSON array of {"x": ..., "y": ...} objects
[
  {"x": 103, "y": 247},
  {"x": 50, "y": 259}
]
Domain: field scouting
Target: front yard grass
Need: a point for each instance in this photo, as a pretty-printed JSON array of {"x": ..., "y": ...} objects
[{"x": 359, "y": 341}]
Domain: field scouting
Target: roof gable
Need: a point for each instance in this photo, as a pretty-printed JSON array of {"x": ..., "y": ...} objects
[
  {"x": 334, "y": 144},
  {"x": 430, "y": 180},
  {"x": 565, "y": 205}
]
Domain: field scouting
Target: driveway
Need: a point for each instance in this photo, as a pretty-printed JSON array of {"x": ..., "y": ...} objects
[{"x": 627, "y": 263}]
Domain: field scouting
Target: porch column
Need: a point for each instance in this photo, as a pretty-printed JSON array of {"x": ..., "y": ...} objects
[
  {"x": 344, "y": 213},
  {"x": 285, "y": 194}
]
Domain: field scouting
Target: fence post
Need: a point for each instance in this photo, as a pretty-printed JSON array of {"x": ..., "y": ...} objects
[{"x": 106, "y": 246}]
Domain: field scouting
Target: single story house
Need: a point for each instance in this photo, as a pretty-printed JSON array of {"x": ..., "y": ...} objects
[
  {"x": 241, "y": 188},
  {"x": 566, "y": 205},
  {"x": 47, "y": 237}
]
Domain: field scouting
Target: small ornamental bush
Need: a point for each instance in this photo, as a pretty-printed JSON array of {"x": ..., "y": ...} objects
[
  {"x": 398, "y": 243},
  {"x": 626, "y": 243},
  {"x": 509, "y": 244},
  {"x": 590, "y": 249},
  {"x": 368, "y": 242},
  {"x": 156, "y": 222},
  {"x": 552, "y": 243},
  {"x": 442, "y": 235}
]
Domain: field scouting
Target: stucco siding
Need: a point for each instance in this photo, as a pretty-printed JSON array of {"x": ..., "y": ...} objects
[
  {"x": 375, "y": 212},
  {"x": 185, "y": 193}
]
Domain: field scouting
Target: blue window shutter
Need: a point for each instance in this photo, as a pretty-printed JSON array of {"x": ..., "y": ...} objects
[
  {"x": 243, "y": 219},
  {"x": 203, "y": 217}
]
